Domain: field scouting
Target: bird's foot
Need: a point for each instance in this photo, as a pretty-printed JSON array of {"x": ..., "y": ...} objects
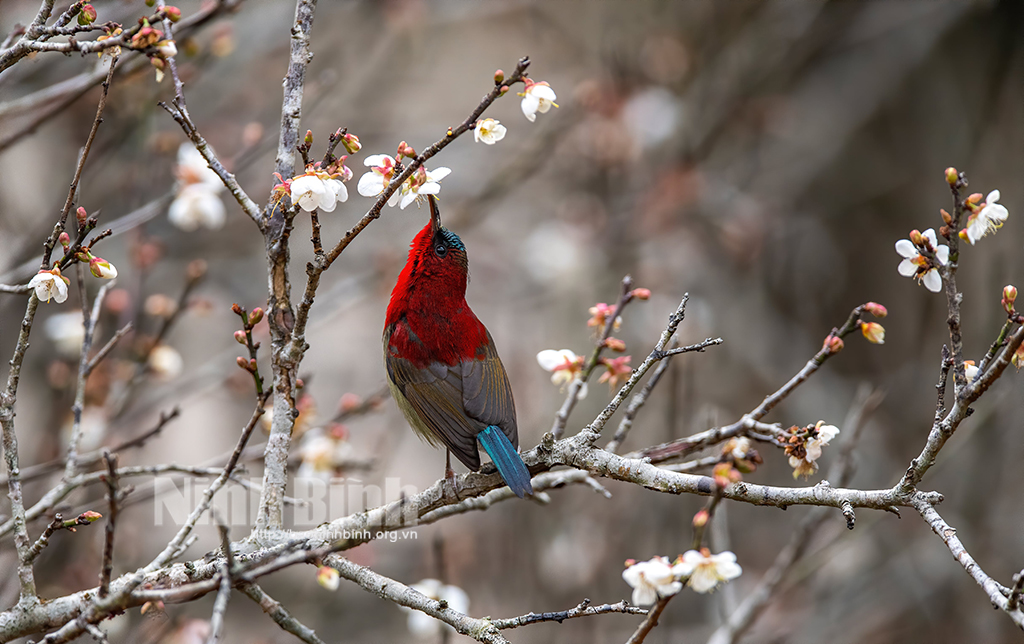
[{"x": 452, "y": 481}]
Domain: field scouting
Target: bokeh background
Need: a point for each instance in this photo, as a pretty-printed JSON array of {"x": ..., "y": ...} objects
[{"x": 761, "y": 156}]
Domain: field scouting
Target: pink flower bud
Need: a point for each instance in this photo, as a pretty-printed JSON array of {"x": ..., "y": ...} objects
[
  {"x": 504, "y": 90},
  {"x": 351, "y": 143},
  {"x": 100, "y": 267},
  {"x": 65, "y": 240},
  {"x": 90, "y": 516},
  {"x": 1009, "y": 296},
  {"x": 87, "y": 15},
  {"x": 946, "y": 217},
  {"x": 615, "y": 344},
  {"x": 642, "y": 293},
  {"x": 916, "y": 237},
  {"x": 309, "y": 137},
  {"x": 975, "y": 198},
  {"x": 876, "y": 309},
  {"x": 499, "y": 77},
  {"x": 173, "y": 13},
  {"x": 873, "y": 331},
  {"x": 701, "y": 518},
  {"x": 255, "y": 316},
  {"x": 242, "y": 362},
  {"x": 350, "y": 401},
  {"x": 833, "y": 344},
  {"x": 952, "y": 175},
  {"x": 240, "y": 337},
  {"x": 81, "y": 215},
  {"x": 963, "y": 235}
]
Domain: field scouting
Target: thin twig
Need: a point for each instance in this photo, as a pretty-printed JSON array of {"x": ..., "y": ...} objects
[
  {"x": 583, "y": 609},
  {"x": 642, "y": 631},
  {"x": 279, "y": 614},
  {"x": 108, "y": 542}
]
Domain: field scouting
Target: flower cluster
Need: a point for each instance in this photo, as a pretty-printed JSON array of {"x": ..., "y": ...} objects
[
  {"x": 316, "y": 189},
  {"x": 986, "y": 217},
  {"x": 323, "y": 451},
  {"x": 384, "y": 168},
  {"x": 657, "y": 578},
  {"x": 197, "y": 204},
  {"x": 922, "y": 256},
  {"x": 804, "y": 446}
]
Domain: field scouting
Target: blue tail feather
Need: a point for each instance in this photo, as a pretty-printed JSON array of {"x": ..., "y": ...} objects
[{"x": 510, "y": 465}]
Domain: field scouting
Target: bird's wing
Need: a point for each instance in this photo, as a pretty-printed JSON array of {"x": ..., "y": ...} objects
[
  {"x": 434, "y": 395},
  {"x": 487, "y": 394}
]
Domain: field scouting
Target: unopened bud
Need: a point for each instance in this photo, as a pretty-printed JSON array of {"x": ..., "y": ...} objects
[
  {"x": 240, "y": 337},
  {"x": 946, "y": 217},
  {"x": 1009, "y": 296},
  {"x": 1018, "y": 357},
  {"x": 173, "y": 13},
  {"x": 873, "y": 331},
  {"x": 945, "y": 232},
  {"x": 701, "y": 518},
  {"x": 255, "y": 316},
  {"x": 975, "y": 198},
  {"x": 503, "y": 90},
  {"x": 64, "y": 239},
  {"x": 963, "y": 235},
  {"x": 309, "y": 137},
  {"x": 833, "y": 344},
  {"x": 642, "y": 293},
  {"x": 876, "y": 309},
  {"x": 87, "y": 15},
  {"x": 81, "y": 215},
  {"x": 350, "y": 401},
  {"x": 237, "y": 310},
  {"x": 499, "y": 77},
  {"x": 90, "y": 516},
  {"x": 252, "y": 365},
  {"x": 299, "y": 383},
  {"x": 100, "y": 267},
  {"x": 952, "y": 176},
  {"x": 242, "y": 362},
  {"x": 351, "y": 143},
  {"x": 158, "y": 62},
  {"x": 916, "y": 237},
  {"x": 615, "y": 344},
  {"x": 196, "y": 269}
]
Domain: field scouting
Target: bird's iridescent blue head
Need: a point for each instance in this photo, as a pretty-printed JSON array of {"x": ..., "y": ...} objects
[{"x": 445, "y": 242}]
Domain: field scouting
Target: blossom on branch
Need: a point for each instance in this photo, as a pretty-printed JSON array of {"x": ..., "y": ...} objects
[
  {"x": 488, "y": 131},
  {"x": 651, "y": 580},
  {"x": 101, "y": 268},
  {"x": 422, "y": 182},
  {"x": 804, "y": 446},
  {"x": 599, "y": 314},
  {"x": 873, "y": 331},
  {"x": 618, "y": 370},
  {"x": 198, "y": 202},
  {"x": 988, "y": 219},
  {"x": 50, "y": 284},
  {"x": 970, "y": 371},
  {"x": 423, "y": 625},
  {"x": 565, "y": 366},
  {"x": 537, "y": 97},
  {"x": 918, "y": 266},
  {"x": 317, "y": 189},
  {"x": 328, "y": 578},
  {"x": 705, "y": 571},
  {"x": 382, "y": 170}
]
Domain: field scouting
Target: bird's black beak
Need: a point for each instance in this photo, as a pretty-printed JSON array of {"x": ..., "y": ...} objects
[{"x": 435, "y": 216}]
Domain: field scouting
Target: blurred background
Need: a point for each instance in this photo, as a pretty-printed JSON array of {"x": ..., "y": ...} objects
[{"x": 761, "y": 156}]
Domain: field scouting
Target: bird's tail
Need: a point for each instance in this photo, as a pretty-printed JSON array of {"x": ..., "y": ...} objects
[{"x": 510, "y": 465}]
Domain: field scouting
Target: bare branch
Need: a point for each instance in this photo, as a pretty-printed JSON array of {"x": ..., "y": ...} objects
[
  {"x": 277, "y": 612},
  {"x": 583, "y": 609}
]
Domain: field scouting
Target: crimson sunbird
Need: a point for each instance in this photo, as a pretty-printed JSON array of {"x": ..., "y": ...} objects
[{"x": 443, "y": 369}]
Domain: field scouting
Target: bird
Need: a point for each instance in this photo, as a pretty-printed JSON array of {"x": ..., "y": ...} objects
[{"x": 442, "y": 366}]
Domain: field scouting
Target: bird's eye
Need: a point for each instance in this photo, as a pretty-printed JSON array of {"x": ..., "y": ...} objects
[{"x": 440, "y": 250}]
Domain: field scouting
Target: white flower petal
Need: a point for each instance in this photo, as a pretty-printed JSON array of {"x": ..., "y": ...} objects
[
  {"x": 543, "y": 92},
  {"x": 942, "y": 254},
  {"x": 370, "y": 185},
  {"x": 993, "y": 197},
  {"x": 907, "y": 268},
  {"x": 932, "y": 281},
  {"x": 407, "y": 199},
  {"x": 906, "y": 248},
  {"x": 377, "y": 160},
  {"x": 930, "y": 236},
  {"x": 529, "y": 106},
  {"x": 431, "y": 188},
  {"x": 438, "y": 173}
]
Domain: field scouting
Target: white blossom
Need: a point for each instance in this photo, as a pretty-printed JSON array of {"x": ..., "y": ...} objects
[
  {"x": 328, "y": 578},
  {"x": 916, "y": 265},
  {"x": 705, "y": 571},
  {"x": 650, "y": 580},
  {"x": 422, "y": 182},
  {"x": 317, "y": 190},
  {"x": 987, "y": 220},
  {"x": 970, "y": 371},
  {"x": 424, "y": 626},
  {"x": 382, "y": 169},
  {"x": 489, "y": 131},
  {"x": 537, "y": 97},
  {"x": 825, "y": 434},
  {"x": 197, "y": 204},
  {"x": 165, "y": 362},
  {"x": 50, "y": 284},
  {"x": 565, "y": 367},
  {"x": 67, "y": 333}
]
